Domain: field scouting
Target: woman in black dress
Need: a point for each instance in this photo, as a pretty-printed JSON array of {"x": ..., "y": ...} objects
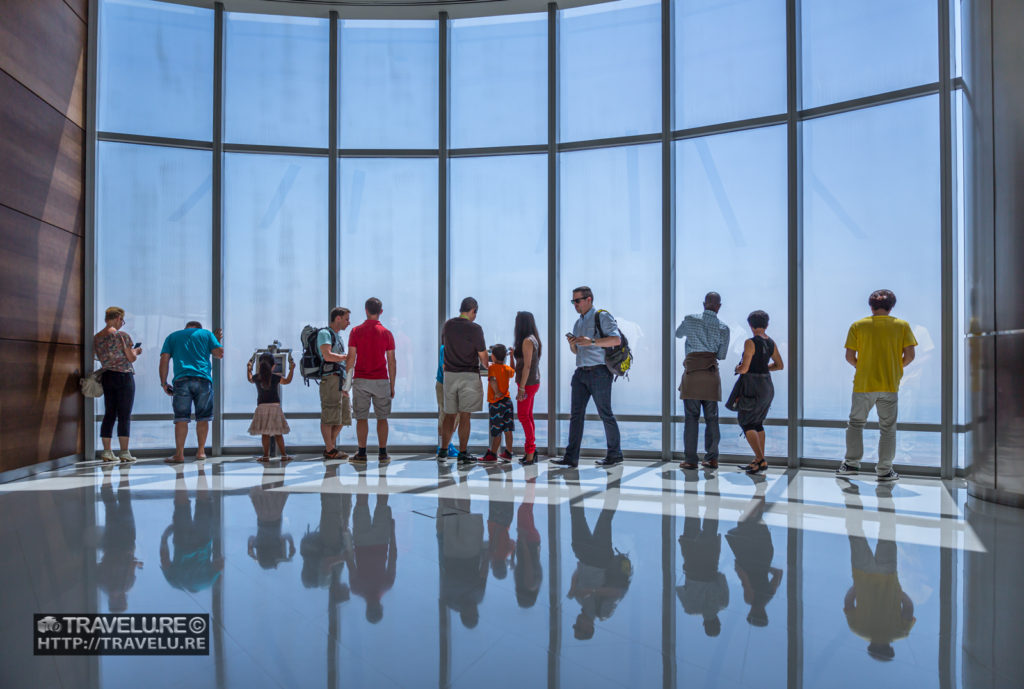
[{"x": 760, "y": 358}]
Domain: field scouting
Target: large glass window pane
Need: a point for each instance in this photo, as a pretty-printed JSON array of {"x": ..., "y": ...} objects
[
  {"x": 276, "y": 83},
  {"x": 388, "y": 84},
  {"x": 153, "y": 250},
  {"x": 155, "y": 69},
  {"x": 610, "y": 70},
  {"x": 499, "y": 246},
  {"x": 499, "y": 81},
  {"x": 731, "y": 238},
  {"x": 730, "y": 60},
  {"x": 275, "y": 266},
  {"x": 854, "y": 49},
  {"x": 610, "y": 227},
  {"x": 389, "y": 251},
  {"x": 871, "y": 221}
]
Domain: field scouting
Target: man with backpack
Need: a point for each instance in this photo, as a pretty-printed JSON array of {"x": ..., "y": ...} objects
[
  {"x": 333, "y": 400},
  {"x": 707, "y": 343},
  {"x": 589, "y": 340}
]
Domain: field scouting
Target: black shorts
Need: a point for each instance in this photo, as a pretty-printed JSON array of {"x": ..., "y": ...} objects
[{"x": 501, "y": 416}]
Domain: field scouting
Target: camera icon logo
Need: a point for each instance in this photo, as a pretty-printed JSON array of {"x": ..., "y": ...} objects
[{"x": 48, "y": 624}]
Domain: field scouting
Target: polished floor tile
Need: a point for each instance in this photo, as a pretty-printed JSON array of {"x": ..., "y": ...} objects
[{"x": 419, "y": 575}]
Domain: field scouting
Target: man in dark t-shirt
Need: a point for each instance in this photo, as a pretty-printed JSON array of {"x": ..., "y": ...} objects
[{"x": 465, "y": 355}]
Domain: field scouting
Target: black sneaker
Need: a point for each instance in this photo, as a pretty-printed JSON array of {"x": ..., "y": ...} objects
[
  {"x": 442, "y": 454},
  {"x": 890, "y": 476},
  {"x": 465, "y": 459},
  {"x": 359, "y": 457},
  {"x": 847, "y": 470}
]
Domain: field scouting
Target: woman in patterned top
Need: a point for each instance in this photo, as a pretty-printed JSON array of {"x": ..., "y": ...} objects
[{"x": 116, "y": 353}]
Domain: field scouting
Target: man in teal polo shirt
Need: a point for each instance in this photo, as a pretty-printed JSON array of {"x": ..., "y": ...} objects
[{"x": 191, "y": 350}]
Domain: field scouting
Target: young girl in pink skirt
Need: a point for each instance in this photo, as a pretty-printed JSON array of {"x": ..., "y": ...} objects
[{"x": 269, "y": 421}]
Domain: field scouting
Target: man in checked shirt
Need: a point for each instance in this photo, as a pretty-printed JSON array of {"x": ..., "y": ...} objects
[{"x": 707, "y": 342}]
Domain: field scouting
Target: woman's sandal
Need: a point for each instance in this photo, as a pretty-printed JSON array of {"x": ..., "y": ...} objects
[
  {"x": 756, "y": 467},
  {"x": 264, "y": 458}
]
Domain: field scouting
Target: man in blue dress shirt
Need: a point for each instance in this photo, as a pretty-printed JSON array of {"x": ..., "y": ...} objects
[
  {"x": 592, "y": 377},
  {"x": 707, "y": 342}
]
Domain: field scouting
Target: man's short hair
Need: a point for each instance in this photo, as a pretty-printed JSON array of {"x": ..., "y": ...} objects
[
  {"x": 338, "y": 312},
  {"x": 883, "y": 299},
  {"x": 468, "y": 304},
  {"x": 374, "y": 306},
  {"x": 585, "y": 292},
  {"x": 113, "y": 313},
  {"x": 499, "y": 352},
  {"x": 193, "y": 324},
  {"x": 758, "y": 319},
  {"x": 713, "y": 299}
]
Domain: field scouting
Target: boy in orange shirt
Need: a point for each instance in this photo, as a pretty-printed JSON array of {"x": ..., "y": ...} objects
[{"x": 499, "y": 404}]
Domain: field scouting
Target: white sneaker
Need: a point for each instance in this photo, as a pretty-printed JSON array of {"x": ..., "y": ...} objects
[
  {"x": 108, "y": 456},
  {"x": 126, "y": 456}
]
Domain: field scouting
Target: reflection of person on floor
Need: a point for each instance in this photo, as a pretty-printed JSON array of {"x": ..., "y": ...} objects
[
  {"x": 602, "y": 573},
  {"x": 462, "y": 555},
  {"x": 269, "y": 546},
  {"x": 751, "y": 544},
  {"x": 705, "y": 591},
  {"x": 115, "y": 573},
  {"x": 876, "y": 607},
  {"x": 372, "y": 566},
  {"x": 193, "y": 566},
  {"x": 528, "y": 571},
  {"x": 500, "y": 509},
  {"x": 325, "y": 549}
]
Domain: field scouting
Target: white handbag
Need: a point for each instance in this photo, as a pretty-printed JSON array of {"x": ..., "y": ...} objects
[{"x": 92, "y": 385}]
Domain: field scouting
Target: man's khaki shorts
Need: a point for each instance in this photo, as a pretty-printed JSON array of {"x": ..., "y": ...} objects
[
  {"x": 463, "y": 392},
  {"x": 365, "y": 390},
  {"x": 330, "y": 402}
]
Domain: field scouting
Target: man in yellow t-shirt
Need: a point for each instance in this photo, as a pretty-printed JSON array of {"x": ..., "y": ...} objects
[{"x": 878, "y": 347}]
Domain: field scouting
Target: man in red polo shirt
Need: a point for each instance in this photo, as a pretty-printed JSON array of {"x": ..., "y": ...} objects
[{"x": 371, "y": 358}]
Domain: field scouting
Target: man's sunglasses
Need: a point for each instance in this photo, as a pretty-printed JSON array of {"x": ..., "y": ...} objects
[{"x": 578, "y": 300}]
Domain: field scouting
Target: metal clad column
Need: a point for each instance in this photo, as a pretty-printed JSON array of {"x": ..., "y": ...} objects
[
  {"x": 553, "y": 285},
  {"x": 668, "y": 233},
  {"x": 795, "y": 232},
  {"x": 333, "y": 236},
  {"x": 217, "y": 292}
]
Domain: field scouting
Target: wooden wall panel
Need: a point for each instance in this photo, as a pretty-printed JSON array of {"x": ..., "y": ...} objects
[
  {"x": 80, "y": 7},
  {"x": 41, "y": 159},
  {"x": 40, "y": 405},
  {"x": 40, "y": 280},
  {"x": 42, "y": 229},
  {"x": 53, "y": 69}
]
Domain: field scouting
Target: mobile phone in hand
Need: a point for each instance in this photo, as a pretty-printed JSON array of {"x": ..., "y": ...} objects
[
  {"x": 169, "y": 388},
  {"x": 136, "y": 345},
  {"x": 570, "y": 335}
]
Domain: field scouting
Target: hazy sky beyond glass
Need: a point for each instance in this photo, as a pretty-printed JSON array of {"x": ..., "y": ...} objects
[{"x": 870, "y": 186}]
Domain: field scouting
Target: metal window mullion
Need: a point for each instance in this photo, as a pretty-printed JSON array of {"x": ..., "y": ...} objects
[
  {"x": 553, "y": 243},
  {"x": 89, "y": 243},
  {"x": 333, "y": 229},
  {"x": 443, "y": 258},
  {"x": 794, "y": 239},
  {"x": 947, "y": 250},
  {"x": 668, "y": 249},
  {"x": 217, "y": 190}
]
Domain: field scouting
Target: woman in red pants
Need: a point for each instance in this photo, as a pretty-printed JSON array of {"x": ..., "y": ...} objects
[{"x": 526, "y": 360}]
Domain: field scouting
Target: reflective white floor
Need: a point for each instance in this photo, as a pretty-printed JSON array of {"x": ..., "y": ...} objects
[{"x": 414, "y": 575}]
